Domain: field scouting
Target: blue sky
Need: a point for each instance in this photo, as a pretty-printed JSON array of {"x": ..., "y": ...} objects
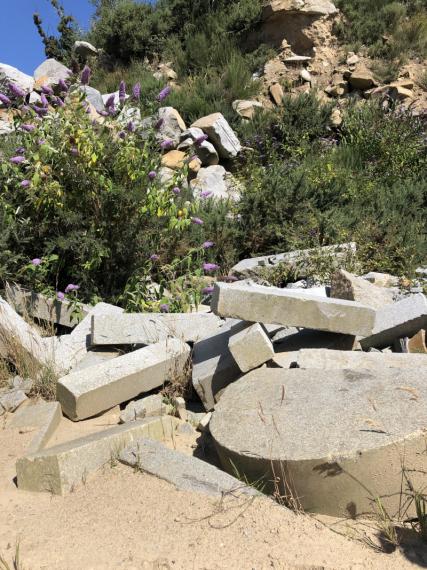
[{"x": 20, "y": 44}]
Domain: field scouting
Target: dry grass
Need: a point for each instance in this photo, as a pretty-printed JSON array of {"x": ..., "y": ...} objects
[{"x": 16, "y": 561}]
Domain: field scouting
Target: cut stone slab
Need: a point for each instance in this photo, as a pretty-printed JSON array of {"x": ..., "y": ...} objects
[
  {"x": 345, "y": 285},
  {"x": 94, "y": 357},
  {"x": 43, "y": 416},
  {"x": 286, "y": 307},
  {"x": 183, "y": 471},
  {"x": 15, "y": 331},
  {"x": 298, "y": 260},
  {"x": 402, "y": 319},
  {"x": 41, "y": 307},
  {"x": 88, "y": 392},
  {"x": 221, "y": 135},
  {"x": 61, "y": 468},
  {"x": 10, "y": 401},
  {"x": 144, "y": 408},
  {"x": 339, "y": 359},
  {"x": 339, "y": 436},
  {"x": 251, "y": 348},
  {"x": 149, "y": 328}
]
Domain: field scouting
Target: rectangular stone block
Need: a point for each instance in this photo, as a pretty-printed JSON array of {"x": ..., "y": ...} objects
[
  {"x": 61, "y": 468},
  {"x": 44, "y": 416},
  {"x": 148, "y": 328},
  {"x": 41, "y": 307},
  {"x": 87, "y": 392},
  {"x": 402, "y": 319},
  {"x": 251, "y": 348},
  {"x": 281, "y": 306},
  {"x": 324, "y": 359}
]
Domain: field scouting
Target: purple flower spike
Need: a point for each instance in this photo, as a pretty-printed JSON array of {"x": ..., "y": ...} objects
[
  {"x": 131, "y": 127},
  {"x": 164, "y": 308},
  {"x": 5, "y": 99},
  {"x": 209, "y": 267},
  {"x": 16, "y": 90},
  {"x": 71, "y": 287},
  {"x": 154, "y": 257},
  {"x": 122, "y": 92},
  {"x": 40, "y": 110},
  {"x": 60, "y": 296},
  {"x": 159, "y": 124},
  {"x": 122, "y": 135},
  {"x": 208, "y": 290},
  {"x": 25, "y": 108},
  {"x": 47, "y": 90},
  {"x": 28, "y": 128},
  {"x": 166, "y": 144},
  {"x": 44, "y": 101},
  {"x": 36, "y": 261},
  {"x": 165, "y": 92},
  {"x": 25, "y": 183},
  {"x": 110, "y": 101},
  {"x": 136, "y": 91},
  {"x": 40, "y": 142},
  {"x": 201, "y": 139},
  {"x": 63, "y": 86},
  {"x": 176, "y": 190},
  {"x": 58, "y": 101},
  {"x": 85, "y": 77},
  {"x": 103, "y": 113},
  {"x": 20, "y": 150},
  {"x": 208, "y": 244},
  {"x": 17, "y": 159},
  {"x": 206, "y": 194},
  {"x": 197, "y": 221},
  {"x": 152, "y": 175}
]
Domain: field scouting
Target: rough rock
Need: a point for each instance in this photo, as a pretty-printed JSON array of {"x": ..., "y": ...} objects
[
  {"x": 345, "y": 285},
  {"x": 171, "y": 127},
  {"x": 402, "y": 319},
  {"x": 334, "y": 439},
  {"x": 291, "y": 308},
  {"x": 44, "y": 417},
  {"x": 246, "y": 109},
  {"x": 361, "y": 78},
  {"x": 277, "y": 94},
  {"x": 220, "y": 134},
  {"x": 84, "y": 49},
  {"x": 352, "y": 58},
  {"x": 207, "y": 154},
  {"x": 382, "y": 279},
  {"x": 93, "y": 96},
  {"x": 311, "y": 7},
  {"x": 297, "y": 260},
  {"x": 251, "y": 347},
  {"x": 186, "y": 472},
  {"x": 306, "y": 75},
  {"x": 88, "y": 392},
  {"x": 417, "y": 344},
  {"x": 174, "y": 159},
  {"x": 216, "y": 180},
  {"x": 9, "y": 74},
  {"x": 60, "y": 469},
  {"x": 149, "y": 328},
  {"x": 143, "y": 408},
  {"x": 10, "y": 401},
  {"x": 50, "y": 72}
]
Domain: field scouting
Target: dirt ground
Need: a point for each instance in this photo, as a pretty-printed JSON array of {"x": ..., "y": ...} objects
[{"x": 122, "y": 519}]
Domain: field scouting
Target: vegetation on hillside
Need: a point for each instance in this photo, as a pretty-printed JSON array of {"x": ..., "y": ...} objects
[{"x": 82, "y": 202}]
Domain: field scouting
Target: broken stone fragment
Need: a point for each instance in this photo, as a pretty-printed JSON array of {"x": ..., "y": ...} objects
[
  {"x": 277, "y": 94},
  {"x": 256, "y": 303},
  {"x": 251, "y": 347},
  {"x": 345, "y": 285},
  {"x": 88, "y": 392},
  {"x": 143, "y": 408},
  {"x": 10, "y": 401},
  {"x": 215, "y": 182},
  {"x": 417, "y": 344},
  {"x": 246, "y": 109}
]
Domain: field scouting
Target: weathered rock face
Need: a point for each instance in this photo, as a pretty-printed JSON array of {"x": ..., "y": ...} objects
[
  {"x": 361, "y": 78},
  {"x": 9, "y": 74},
  {"x": 84, "y": 49},
  {"x": 93, "y": 96},
  {"x": 50, "y": 72},
  {"x": 334, "y": 439},
  {"x": 247, "y": 109},
  {"x": 171, "y": 125},
  {"x": 220, "y": 134},
  {"x": 312, "y": 7}
]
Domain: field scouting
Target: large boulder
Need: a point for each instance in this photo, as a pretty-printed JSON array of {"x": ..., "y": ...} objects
[
  {"x": 84, "y": 49},
  {"x": 216, "y": 180},
  {"x": 9, "y": 74},
  {"x": 93, "y": 96},
  {"x": 309, "y": 7},
  {"x": 50, "y": 72},
  {"x": 220, "y": 134},
  {"x": 171, "y": 125}
]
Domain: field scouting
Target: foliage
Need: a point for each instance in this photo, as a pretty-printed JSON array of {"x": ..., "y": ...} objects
[
  {"x": 60, "y": 47},
  {"x": 389, "y": 28}
]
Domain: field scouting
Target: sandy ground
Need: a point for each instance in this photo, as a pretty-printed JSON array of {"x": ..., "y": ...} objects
[{"x": 130, "y": 520}]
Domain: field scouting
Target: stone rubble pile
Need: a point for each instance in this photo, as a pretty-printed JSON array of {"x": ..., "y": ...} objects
[{"x": 329, "y": 390}]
